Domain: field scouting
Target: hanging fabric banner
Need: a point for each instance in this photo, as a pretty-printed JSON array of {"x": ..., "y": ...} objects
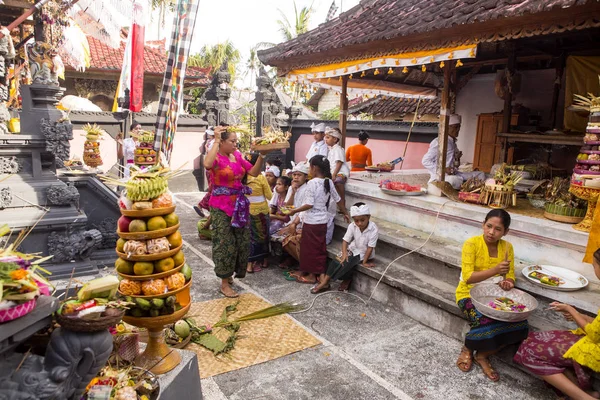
[
  {"x": 125, "y": 78},
  {"x": 137, "y": 57},
  {"x": 171, "y": 94}
]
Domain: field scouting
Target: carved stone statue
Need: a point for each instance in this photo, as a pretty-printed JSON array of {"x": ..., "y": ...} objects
[
  {"x": 5, "y": 198},
  {"x": 4, "y": 116},
  {"x": 107, "y": 229},
  {"x": 62, "y": 195},
  {"x": 42, "y": 63},
  {"x": 215, "y": 100},
  {"x": 72, "y": 360},
  {"x": 9, "y": 165},
  {"x": 58, "y": 135},
  {"x": 268, "y": 104},
  {"x": 73, "y": 246},
  {"x": 7, "y": 53}
]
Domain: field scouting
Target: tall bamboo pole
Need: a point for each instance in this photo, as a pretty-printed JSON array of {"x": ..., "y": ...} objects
[{"x": 344, "y": 109}]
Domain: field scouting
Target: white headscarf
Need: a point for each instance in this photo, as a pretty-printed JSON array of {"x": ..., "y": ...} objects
[
  {"x": 360, "y": 210},
  {"x": 274, "y": 169},
  {"x": 455, "y": 119},
  {"x": 318, "y": 127},
  {"x": 301, "y": 167}
]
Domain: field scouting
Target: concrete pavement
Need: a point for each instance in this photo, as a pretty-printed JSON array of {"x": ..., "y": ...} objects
[{"x": 368, "y": 351}]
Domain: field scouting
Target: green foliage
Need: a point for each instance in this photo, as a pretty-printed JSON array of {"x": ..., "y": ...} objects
[
  {"x": 331, "y": 114},
  {"x": 214, "y": 56},
  {"x": 299, "y": 26},
  {"x": 193, "y": 107}
]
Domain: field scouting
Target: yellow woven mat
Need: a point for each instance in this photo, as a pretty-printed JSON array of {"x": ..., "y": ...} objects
[{"x": 258, "y": 341}]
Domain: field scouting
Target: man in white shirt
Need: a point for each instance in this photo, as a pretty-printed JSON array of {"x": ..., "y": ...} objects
[
  {"x": 318, "y": 147},
  {"x": 453, "y": 175}
]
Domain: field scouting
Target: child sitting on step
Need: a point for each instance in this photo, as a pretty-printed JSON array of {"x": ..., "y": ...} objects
[
  {"x": 278, "y": 219},
  {"x": 358, "y": 247}
]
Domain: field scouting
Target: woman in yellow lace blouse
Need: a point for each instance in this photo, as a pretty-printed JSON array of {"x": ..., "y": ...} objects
[
  {"x": 487, "y": 258},
  {"x": 553, "y": 354}
]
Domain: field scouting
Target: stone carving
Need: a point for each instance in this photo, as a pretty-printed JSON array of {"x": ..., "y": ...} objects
[
  {"x": 72, "y": 360},
  {"x": 4, "y": 118},
  {"x": 215, "y": 100},
  {"x": 5, "y": 198},
  {"x": 42, "y": 63},
  {"x": 109, "y": 236},
  {"x": 57, "y": 136},
  {"x": 63, "y": 195},
  {"x": 7, "y": 52},
  {"x": 9, "y": 165},
  {"x": 73, "y": 245},
  {"x": 270, "y": 106},
  {"x": 89, "y": 87}
]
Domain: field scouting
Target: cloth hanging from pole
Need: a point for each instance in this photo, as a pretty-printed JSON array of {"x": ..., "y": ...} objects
[
  {"x": 137, "y": 56},
  {"x": 172, "y": 89}
]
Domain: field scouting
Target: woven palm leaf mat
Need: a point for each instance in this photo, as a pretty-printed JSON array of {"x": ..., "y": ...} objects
[{"x": 258, "y": 341}]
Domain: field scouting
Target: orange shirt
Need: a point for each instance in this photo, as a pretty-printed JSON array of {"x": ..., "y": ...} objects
[{"x": 359, "y": 156}]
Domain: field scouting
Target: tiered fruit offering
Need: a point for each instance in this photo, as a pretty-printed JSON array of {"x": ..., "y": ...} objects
[
  {"x": 144, "y": 152},
  {"x": 91, "y": 146},
  {"x": 151, "y": 263}
]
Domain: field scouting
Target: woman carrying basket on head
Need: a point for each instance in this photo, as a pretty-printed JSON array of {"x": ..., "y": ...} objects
[{"x": 229, "y": 207}]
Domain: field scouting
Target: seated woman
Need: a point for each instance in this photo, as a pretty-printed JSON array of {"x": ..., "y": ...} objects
[
  {"x": 487, "y": 258},
  {"x": 565, "y": 359}
]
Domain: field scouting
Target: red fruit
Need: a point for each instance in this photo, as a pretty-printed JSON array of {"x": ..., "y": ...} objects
[{"x": 123, "y": 224}]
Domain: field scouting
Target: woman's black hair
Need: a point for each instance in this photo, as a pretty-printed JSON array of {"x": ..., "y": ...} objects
[
  {"x": 286, "y": 180},
  {"x": 499, "y": 213},
  {"x": 363, "y": 135},
  {"x": 359, "y": 204},
  {"x": 322, "y": 163},
  {"x": 253, "y": 157},
  {"x": 276, "y": 162},
  {"x": 134, "y": 123}
]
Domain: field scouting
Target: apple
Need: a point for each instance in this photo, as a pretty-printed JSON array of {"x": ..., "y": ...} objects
[{"x": 123, "y": 224}]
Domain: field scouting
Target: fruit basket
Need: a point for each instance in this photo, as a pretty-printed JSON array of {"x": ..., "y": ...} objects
[
  {"x": 150, "y": 257},
  {"x": 272, "y": 139},
  {"x": 152, "y": 212},
  {"x": 185, "y": 289},
  {"x": 483, "y": 294},
  {"x": 148, "y": 234},
  {"x": 270, "y": 146},
  {"x": 92, "y": 325},
  {"x": 151, "y": 276},
  {"x": 568, "y": 215}
]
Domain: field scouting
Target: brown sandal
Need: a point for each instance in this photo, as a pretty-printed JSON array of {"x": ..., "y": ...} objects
[
  {"x": 487, "y": 369},
  {"x": 465, "y": 360}
]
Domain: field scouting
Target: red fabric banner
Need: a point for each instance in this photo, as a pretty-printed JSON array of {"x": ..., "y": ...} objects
[{"x": 136, "y": 94}]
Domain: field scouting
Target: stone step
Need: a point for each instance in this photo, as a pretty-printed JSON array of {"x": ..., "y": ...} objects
[{"x": 535, "y": 240}]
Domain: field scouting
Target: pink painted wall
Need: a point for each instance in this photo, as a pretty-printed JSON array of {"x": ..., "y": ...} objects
[
  {"x": 186, "y": 149},
  {"x": 383, "y": 150}
]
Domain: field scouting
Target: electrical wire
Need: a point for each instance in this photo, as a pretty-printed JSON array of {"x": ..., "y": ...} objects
[{"x": 437, "y": 217}]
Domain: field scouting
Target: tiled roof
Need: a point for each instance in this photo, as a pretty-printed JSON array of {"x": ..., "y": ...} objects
[
  {"x": 106, "y": 58},
  {"x": 384, "y": 106},
  {"x": 379, "y": 27}
]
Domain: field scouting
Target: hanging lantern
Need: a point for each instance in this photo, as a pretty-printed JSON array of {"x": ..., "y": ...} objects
[
  {"x": 328, "y": 79},
  {"x": 432, "y": 59},
  {"x": 472, "y": 53},
  {"x": 397, "y": 62},
  {"x": 357, "y": 68},
  {"x": 423, "y": 68},
  {"x": 390, "y": 71},
  {"x": 413, "y": 61},
  {"x": 376, "y": 71},
  {"x": 363, "y": 74},
  {"x": 459, "y": 63},
  {"x": 346, "y": 70},
  {"x": 442, "y": 64},
  {"x": 450, "y": 55},
  {"x": 340, "y": 78},
  {"x": 369, "y": 64},
  {"x": 350, "y": 77},
  {"x": 323, "y": 76},
  {"x": 405, "y": 70}
]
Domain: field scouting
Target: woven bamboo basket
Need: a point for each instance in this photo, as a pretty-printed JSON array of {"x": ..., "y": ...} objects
[
  {"x": 151, "y": 276},
  {"x": 150, "y": 257},
  {"x": 92, "y": 325},
  {"x": 270, "y": 147},
  {"x": 152, "y": 212},
  {"x": 498, "y": 196},
  {"x": 567, "y": 215}
]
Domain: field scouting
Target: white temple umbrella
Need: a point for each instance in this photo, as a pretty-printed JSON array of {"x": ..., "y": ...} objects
[{"x": 75, "y": 103}]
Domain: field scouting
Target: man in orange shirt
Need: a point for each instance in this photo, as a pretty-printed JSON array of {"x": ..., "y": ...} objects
[{"x": 360, "y": 155}]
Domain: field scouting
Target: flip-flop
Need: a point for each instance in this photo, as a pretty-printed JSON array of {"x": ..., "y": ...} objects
[
  {"x": 302, "y": 279},
  {"x": 232, "y": 296},
  {"x": 289, "y": 277},
  {"x": 199, "y": 211}
]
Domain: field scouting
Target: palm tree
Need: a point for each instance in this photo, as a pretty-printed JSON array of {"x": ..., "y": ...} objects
[
  {"x": 214, "y": 56},
  {"x": 252, "y": 65},
  {"x": 301, "y": 21}
]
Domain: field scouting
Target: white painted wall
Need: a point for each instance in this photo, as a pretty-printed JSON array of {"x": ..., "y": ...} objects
[{"x": 478, "y": 97}]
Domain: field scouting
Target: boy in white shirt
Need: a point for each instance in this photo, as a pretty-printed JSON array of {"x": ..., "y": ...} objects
[
  {"x": 337, "y": 159},
  {"x": 318, "y": 147},
  {"x": 358, "y": 247}
]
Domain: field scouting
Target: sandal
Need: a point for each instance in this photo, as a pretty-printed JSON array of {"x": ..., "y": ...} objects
[
  {"x": 231, "y": 295},
  {"x": 465, "y": 360},
  {"x": 487, "y": 369},
  {"x": 304, "y": 279},
  {"x": 316, "y": 289}
]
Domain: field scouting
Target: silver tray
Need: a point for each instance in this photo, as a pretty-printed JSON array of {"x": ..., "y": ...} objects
[{"x": 403, "y": 193}]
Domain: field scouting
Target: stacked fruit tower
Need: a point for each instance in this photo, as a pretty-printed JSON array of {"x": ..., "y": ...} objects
[
  {"x": 151, "y": 264},
  {"x": 144, "y": 152},
  {"x": 91, "y": 146}
]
